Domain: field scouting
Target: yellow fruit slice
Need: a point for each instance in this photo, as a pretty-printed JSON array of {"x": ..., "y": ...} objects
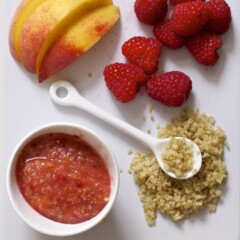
[
  {"x": 21, "y": 15},
  {"x": 78, "y": 38},
  {"x": 46, "y": 25}
]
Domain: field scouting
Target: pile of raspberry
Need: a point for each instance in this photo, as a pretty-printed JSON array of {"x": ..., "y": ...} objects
[{"x": 195, "y": 24}]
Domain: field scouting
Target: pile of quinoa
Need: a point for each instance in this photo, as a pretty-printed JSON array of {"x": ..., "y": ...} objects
[
  {"x": 178, "y": 157},
  {"x": 180, "y": 198}
]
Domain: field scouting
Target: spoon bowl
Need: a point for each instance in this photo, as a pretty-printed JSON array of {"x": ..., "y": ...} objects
[
  {"x": 159, "y": 146},
  {"x": 64, "y": 93}
]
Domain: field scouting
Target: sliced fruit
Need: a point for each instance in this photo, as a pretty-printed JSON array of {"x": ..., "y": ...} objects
[
  {"x": 47, "y": 23},
  {"x": 78, "y": 38},
  {"x": 21, "y": 15}
]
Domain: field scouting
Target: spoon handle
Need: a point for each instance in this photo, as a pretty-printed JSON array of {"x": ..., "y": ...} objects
[{"x": 73, "y": 98}]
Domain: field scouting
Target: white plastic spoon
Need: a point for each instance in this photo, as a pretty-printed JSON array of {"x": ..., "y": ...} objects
[{"x": 73, "y": 98}]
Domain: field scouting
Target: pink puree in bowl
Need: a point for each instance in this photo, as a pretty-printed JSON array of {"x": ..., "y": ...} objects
[{"x": 63, "y": 178}]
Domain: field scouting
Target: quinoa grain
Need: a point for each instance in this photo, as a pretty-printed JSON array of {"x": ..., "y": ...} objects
[
  {"x": 178, "y": 157},
  {"x": 180, "y": 198}
]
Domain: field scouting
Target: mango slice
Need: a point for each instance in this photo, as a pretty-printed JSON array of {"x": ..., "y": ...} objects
[
  {"x": 47, "y": 23},
  {"x": 79, "y": 37},
  {"x": 21, "y": 15}
]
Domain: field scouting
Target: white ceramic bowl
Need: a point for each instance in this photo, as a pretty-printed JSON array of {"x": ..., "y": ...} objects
[{"x": 33, "y": 218}]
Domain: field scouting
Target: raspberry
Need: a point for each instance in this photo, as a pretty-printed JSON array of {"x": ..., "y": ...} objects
[
  {"x": 171, "y": 88},
  {"x": 124, "y": 80},
  {"x": 150, "y": 11},
  {"x": 165, "y": 34},
  {"x": 175, "y": 2},
  {"x": 204, "y": 46},
  {"x": 143, "y": 52},
  {"x": 220, "y": 16},
  {"x": 188, "y": 18}
]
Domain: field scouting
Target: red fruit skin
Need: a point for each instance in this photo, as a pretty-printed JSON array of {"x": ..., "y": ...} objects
[
  {"x": 171, "y": 88},
  {"x": 124, "y": 80},
  {"x": 189, "y": 18},
  {"x": 220, "y": 19},
  {"x": 204, "y": 47},
  {"x": 175, "y": 2},
  {"x": 150, "y": 11},
  {"x": 165, "y": 34},
  {"x": 143, "y": 52}
]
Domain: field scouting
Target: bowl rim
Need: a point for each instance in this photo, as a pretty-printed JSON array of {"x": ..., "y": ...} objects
[{"x": 87, "y": 224}]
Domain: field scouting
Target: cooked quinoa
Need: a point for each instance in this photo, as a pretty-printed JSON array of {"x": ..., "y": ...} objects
[
  {"x": 179, "y": 198},
  {"x": 178, "y": 157}
]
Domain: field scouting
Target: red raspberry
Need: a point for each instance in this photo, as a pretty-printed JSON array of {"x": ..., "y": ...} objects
[
  {"x": 171, "y": 88},
  {"x": 188, "y": 18},
  {"x": 175, "y": 2},
  {"x": 165, "y": 34},
  {"x": 220, "y": 16},
  {"x": 150, "y": 11},
  {"x": 204, "y": 46},
  {"x": 124, "y": 80},
  {"x": 143, "y": 52}
]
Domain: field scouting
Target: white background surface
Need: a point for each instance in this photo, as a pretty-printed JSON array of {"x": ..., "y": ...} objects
[{"x": 25, "y": 105}]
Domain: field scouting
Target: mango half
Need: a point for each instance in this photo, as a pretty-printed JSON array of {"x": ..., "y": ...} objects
[{"x": 57, "y": 32}]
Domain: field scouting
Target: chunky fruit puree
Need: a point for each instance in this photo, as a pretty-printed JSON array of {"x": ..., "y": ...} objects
[{"x": 63, "y": 178}]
